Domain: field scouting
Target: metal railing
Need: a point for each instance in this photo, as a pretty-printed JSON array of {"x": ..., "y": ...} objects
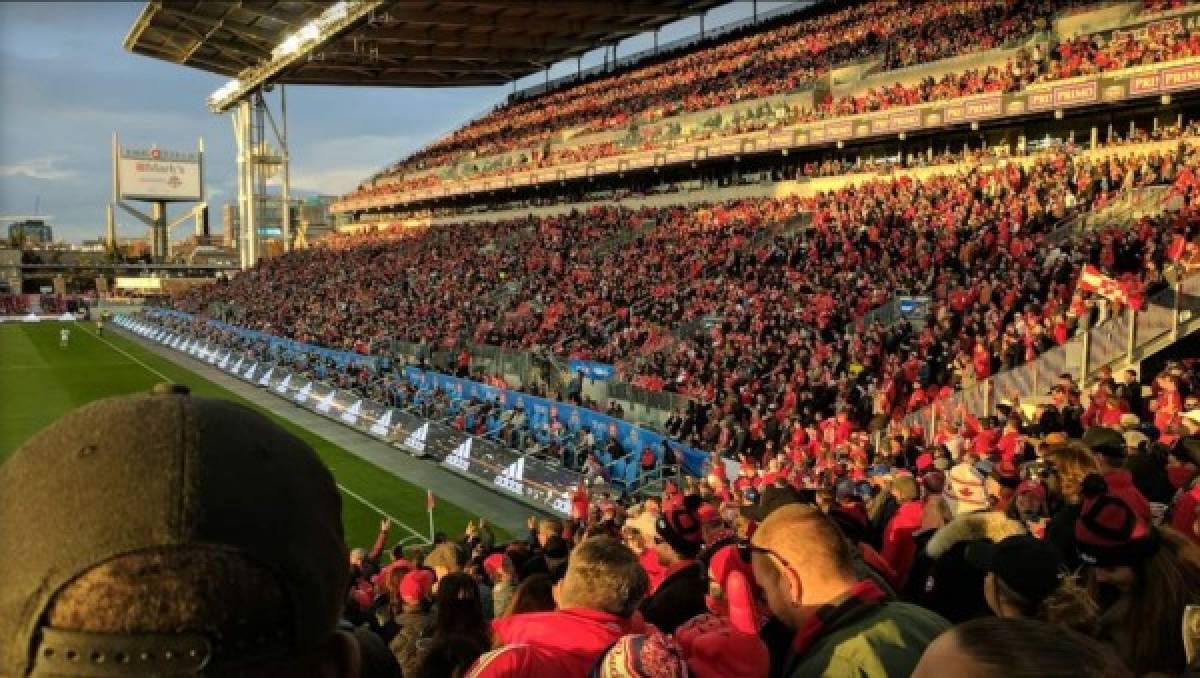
[{"x": 1124, "y": 339}]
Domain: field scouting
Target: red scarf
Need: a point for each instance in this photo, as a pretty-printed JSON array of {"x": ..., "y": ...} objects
[{"x": 863, "y": 596}]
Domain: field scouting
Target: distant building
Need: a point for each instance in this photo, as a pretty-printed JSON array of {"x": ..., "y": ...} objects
[
  {"x": 30, "y": 232},
  {"x": 310, "y": 216}
]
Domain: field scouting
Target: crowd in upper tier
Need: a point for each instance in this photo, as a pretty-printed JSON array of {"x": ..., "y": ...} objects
[{"x": 727, "y": 74}]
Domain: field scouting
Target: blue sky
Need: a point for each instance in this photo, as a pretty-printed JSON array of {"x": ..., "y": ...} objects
[{"x": 66, "y": 84}]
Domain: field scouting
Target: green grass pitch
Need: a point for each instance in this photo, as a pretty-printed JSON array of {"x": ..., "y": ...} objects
[{"x": 40, "y": 381}]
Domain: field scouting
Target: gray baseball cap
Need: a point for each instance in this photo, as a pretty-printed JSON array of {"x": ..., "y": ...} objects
[{"x": 143, "y": 472}]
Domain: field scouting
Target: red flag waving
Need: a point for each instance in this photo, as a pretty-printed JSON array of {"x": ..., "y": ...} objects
[
  {"x": 1126, "y": 291},
  {"x": 1177, "y": 247}
]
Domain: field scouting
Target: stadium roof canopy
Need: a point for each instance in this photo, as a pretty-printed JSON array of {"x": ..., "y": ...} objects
[{"x": 425, "y": 43}]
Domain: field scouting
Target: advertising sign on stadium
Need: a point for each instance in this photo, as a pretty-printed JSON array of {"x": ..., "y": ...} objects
[
  {"x": 975, "y": 109},
  {"x": 840, "y": 130},
  {"x": 1077, "y": 93},
  {"x": 1144, "y": 83},
  {"x": 159, "y": 175},
  {"x": 1180, "y": 76}
]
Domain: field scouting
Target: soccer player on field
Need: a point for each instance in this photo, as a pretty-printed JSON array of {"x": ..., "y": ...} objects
[{"x": 64, "y": 337}]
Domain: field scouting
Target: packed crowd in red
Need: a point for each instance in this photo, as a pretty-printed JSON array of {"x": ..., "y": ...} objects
[
  {"x": 758, "y": 65},
  {"x": 606, "y": 103},
  {"x": 609, "y": 284}
]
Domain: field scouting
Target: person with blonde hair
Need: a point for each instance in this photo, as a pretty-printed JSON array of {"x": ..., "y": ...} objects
[
  {"x": 1026, "y": 579},
  {"x": 1066, "y": 467},
  {"x": 1141, "y": 575}
]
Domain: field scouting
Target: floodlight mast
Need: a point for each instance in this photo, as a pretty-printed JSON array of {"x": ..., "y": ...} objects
[
  {"x": 256, "y": 160},
  {"x": 335, "y": 20}
]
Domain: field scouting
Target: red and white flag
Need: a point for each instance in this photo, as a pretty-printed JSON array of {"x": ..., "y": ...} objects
[{"x": 1125, "y": 291}]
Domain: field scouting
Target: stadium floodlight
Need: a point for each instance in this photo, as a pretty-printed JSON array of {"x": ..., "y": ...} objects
[
  {"x": 224, "y": 91},
  {"x": 336, "y": 12},
  {"x": 334, "y": 20}
]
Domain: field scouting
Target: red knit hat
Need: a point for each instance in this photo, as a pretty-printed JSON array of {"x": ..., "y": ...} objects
[
  {"x": 1109, "y": 532},
  {"x": 679, "y": 526},
  {"x": 493, "y": 564},
  {"x": 652, "y": 655},
  {"x": 417, "y": 586}
]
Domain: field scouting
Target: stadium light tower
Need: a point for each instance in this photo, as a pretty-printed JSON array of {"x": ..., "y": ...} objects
[{"x": 257, "y": 158}]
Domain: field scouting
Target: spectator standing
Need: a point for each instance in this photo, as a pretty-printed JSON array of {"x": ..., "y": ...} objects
[
  {"x": 1141, "y": 575},
  {"x": 677, "y": 539},
  {"x": 499, "y": 568},
  {"x": 414, "y": 619},
  {"x": 953, "y": 588},
  {"x": 842, "y": 625},
  {"x": 597, "y": 600},
  {"x": 458, "y": 616},
  {"x": 1026, "y": 579}
]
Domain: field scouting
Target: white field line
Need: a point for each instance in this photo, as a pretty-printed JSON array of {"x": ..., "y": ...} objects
[{"x": 345, "y": 490}]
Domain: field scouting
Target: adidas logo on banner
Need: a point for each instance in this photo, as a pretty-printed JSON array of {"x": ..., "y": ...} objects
[
  {"x": 382, "y": 427},
  {"x": 511, "y": 478},
  {"x": 302, "y": 394},
  {"x": 266, "y": 377},
  {"x": 562, "y": 504},
  {"x": 416, "y": 440},
  {"x": 460, "y": 458},
  {"x": 282, "y": 387},
  {"x": 249, "y": 373},
  {"x": 326, "y": 403},
  {"x": 350, "y": 416}
]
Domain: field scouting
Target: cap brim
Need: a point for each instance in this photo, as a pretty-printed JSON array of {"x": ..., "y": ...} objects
[
  {"x": 981, "y": 555},
  {"x": 754, "y": 512}
]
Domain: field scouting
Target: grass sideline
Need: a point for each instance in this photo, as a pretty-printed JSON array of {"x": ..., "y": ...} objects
[{"x": 39, "y": 382}]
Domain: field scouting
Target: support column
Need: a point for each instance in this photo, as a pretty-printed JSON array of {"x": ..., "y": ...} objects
[
  {"x": 110, "y": 230},
  {"x": 1177, "y": 310},
  {"x": 202, "y": 214},
  {"x": 243, "y": 133},
  {"x": 158, "y": 215},
  {"x": 284, "y": 193},
  {"x": 1131, "y": 342}
]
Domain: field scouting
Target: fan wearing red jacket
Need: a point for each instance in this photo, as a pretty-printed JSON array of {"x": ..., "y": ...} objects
[{"x": 597, "y": 604}]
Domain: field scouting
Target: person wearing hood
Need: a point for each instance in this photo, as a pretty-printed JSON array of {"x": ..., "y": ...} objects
[{"x": 942, "y": 579}]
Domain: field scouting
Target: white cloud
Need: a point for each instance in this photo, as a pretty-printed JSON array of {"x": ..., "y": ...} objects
[{"x": 44, "y": 167}]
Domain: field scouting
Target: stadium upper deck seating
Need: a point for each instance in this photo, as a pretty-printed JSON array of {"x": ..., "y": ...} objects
[{"x": 595, "y": 106}]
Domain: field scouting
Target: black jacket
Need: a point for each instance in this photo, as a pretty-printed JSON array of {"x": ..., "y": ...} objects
[
  {"x": 678, "y": 598},
  {"x": 942, "y": 580}
]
